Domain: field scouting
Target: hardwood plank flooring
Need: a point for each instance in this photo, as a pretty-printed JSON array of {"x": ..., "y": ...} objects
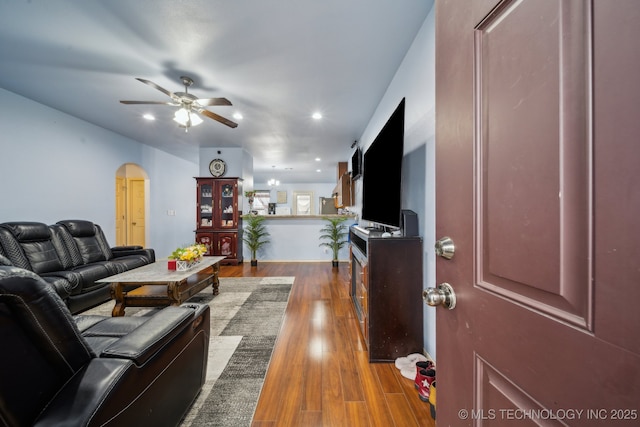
[{"x": 319, "y": 373}]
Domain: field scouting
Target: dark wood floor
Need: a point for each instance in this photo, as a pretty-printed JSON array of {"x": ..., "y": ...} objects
[{"x": 319, "y": 373}]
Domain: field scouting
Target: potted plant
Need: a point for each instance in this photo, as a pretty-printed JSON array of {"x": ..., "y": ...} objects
[
  {"x": 334, "y": 232},
  {"x": 255, "y": 235}
]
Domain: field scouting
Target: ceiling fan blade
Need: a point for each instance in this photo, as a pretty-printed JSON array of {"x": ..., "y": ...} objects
[
  {"x": 221, "y": 119},
  {"x": 152, "y": 84},
  {"x": 213, "y": 101},
  {"x": 150, "y": 102}
]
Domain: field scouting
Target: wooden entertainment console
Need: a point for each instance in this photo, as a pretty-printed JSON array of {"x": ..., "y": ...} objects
[{"x": 386, "y": 290}]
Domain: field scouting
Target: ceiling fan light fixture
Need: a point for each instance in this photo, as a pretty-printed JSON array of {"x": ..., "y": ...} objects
[
  {"x": 186, "y": 118},
  {"x": 195, "y": 119}
]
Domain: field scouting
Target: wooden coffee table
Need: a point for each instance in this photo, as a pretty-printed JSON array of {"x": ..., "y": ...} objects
[{"x": 158, "y": 286}]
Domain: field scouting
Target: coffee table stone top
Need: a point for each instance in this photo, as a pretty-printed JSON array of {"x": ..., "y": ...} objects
[{"x": 159, "y": 272}]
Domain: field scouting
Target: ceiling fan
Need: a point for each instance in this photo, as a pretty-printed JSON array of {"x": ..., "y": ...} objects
[{"x": 189, "y": 105}]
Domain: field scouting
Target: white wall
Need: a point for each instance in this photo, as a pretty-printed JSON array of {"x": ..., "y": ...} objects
[
  {"x": 54, "y": 166},
  {"x": 415, "y": 81},
  {"x": 235, "y": 158}
]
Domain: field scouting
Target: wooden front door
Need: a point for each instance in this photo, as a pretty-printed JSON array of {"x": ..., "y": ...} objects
[
  {"x": 538, "y": 153},
  {"x": 121, "y": 211},
  {"x": 137, "y": 220}
]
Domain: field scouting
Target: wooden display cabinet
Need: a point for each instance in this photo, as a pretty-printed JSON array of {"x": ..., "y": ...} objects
[{"x": 218, "y": 217}]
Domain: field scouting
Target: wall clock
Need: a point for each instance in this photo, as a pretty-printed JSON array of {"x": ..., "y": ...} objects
[{"x": 217, "y": 167}]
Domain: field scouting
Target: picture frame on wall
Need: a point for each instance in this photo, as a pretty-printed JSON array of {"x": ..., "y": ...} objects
[{"x": 281, "y": 197}]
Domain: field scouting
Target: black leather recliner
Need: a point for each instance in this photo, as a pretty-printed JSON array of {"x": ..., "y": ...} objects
[{"x": 60, "y": 370}]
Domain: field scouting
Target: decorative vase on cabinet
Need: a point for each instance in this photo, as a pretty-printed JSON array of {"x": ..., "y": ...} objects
[{"x": 218, "y": 217}]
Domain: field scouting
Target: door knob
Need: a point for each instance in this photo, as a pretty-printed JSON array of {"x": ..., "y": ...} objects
[
  {"x": 445, "y": 247},
  {"x": 443, "y": 295}
]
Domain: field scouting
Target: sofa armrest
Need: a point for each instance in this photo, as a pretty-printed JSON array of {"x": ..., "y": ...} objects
[
  {"x": 86, "y": 392},
  {"x": 62, "y": 286},
  {"x": 143, "y": 342},
  {"x": 126, "y": 248},
  {"x": 120, "y": 251}
]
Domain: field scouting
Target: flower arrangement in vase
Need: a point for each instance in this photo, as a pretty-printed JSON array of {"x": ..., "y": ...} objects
[
  {"x": 250, "y": 197},
  {"x": 186, "y": 257}
]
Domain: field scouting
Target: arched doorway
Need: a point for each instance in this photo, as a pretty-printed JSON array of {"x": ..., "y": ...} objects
[{"x": 131, "y": 205}]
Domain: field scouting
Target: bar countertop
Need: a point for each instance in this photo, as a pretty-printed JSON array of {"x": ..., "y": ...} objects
[{"x": 304, "y": 216}]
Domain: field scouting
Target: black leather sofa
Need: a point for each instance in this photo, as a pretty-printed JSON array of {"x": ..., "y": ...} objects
[
  {"x": 61, "y": 370},
  {"x": 71, "y": 256}
]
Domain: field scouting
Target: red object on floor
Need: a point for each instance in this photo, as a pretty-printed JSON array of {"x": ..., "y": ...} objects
[
  {"x": 420, "y": 366},
  {"x": 424, "y": 379}
]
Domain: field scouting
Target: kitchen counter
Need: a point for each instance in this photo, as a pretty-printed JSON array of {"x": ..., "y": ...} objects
[
  {"x": 304, "y": 216},
  {"x": 297, "y": 238}
]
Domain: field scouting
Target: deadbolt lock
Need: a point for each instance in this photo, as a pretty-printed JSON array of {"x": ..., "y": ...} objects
[{"x": 445, "y": 247}]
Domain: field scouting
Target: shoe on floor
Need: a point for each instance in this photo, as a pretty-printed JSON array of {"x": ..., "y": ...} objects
[
  {"x": 423, "y": 381},
  {"x": 409, "y": 363},
  {"x": 410, "y": 372}
]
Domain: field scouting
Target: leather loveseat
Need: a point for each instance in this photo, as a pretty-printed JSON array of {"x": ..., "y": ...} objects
[
  {"x": 61, "y": 370},
  {"x": 71, "y": 256}
]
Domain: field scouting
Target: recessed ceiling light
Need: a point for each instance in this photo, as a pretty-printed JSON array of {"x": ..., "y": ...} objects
[
  {"x": 318, "y": 159},
  {"x": 317, "y": 115},
  {"x": 318, "y": 170},
  {"x": 237, "y": 116},
  {"x": 149, "y": 116}
]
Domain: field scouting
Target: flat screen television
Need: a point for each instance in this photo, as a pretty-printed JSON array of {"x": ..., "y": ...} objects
[
  {"x": 356, "y": 164},
  {"x": 382, "y": 173}
]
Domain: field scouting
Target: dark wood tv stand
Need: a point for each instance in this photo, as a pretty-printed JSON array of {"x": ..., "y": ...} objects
[{"x": 386, "y": 291}]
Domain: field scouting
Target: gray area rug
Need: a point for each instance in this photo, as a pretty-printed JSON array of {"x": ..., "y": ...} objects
[{"x": 246, "y": 317}]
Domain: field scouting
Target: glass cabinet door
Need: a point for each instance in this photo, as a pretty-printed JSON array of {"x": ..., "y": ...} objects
[
  {"x": 227, "y": 203},
  {"x": 205, "y": 204}
]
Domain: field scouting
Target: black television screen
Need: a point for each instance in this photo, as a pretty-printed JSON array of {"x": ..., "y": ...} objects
[
  {"x": 382, "y": 173},
  {"x": 356, "y": 164}
]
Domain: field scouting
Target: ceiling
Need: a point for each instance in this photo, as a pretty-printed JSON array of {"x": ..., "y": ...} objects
[{"x": 277, "y": 61}]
